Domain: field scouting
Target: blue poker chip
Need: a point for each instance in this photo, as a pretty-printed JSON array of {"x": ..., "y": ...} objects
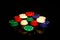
[
  {"x": 47, "y": 22},
  {"x": 44, "y": 25},
  {"x": 36, "y": 15}
]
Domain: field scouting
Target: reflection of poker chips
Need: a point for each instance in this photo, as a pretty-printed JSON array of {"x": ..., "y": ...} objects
[{"x": 29, "y": 21}]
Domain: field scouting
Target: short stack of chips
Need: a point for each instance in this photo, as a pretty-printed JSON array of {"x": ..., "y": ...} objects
[{"x": 29, "y": 20}]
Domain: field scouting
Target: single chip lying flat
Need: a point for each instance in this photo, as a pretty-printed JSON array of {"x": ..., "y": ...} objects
[
  {"x": 29, "y": 19},
  {"x": 28, "y": 28},
  {"x": 13, "y": 23},
  {"x": 41, "y": 19},
  {"x": 22, "y": 16},
  {"x": 24, "y": 22}
]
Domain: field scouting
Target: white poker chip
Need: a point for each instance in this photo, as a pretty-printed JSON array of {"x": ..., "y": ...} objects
[
  {"x": 24, "y": 22},
  {"x": 22, "y": 16},
  {"x": 41, "y": 19}
]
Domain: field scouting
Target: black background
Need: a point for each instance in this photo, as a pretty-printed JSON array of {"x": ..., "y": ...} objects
[{"x": 12, "y": 8}]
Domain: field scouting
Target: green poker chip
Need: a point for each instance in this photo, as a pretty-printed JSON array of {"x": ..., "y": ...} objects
[
  {"x": 29, "y": 19},
  {"x": 13, "y": 23},
  {"x": 28, "y": 28}
]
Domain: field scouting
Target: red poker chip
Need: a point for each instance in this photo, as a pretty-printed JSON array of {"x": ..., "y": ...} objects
[
  {"x": 16, "y": 16},
  {"x": 17, "y": 19},
  {"x": 30, "y": 13},
  {"x": 34, "y": 23}
]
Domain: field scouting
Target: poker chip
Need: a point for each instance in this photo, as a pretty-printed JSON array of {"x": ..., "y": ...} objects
[
  {"x": 29, "y": 19},
  {"x": 28, "y": 28},
  {"x": 36, "y": 15},
  {"x": 41, "y": 19},
  {"x": 22, "y": 16},
  {"x": 34, "y": 23},
  {"x": 13, "y": 23},
  {"x": 23, "y": 22},
  {"x": 30, "y": 14},
  {"x": 17, "y": 19}
]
